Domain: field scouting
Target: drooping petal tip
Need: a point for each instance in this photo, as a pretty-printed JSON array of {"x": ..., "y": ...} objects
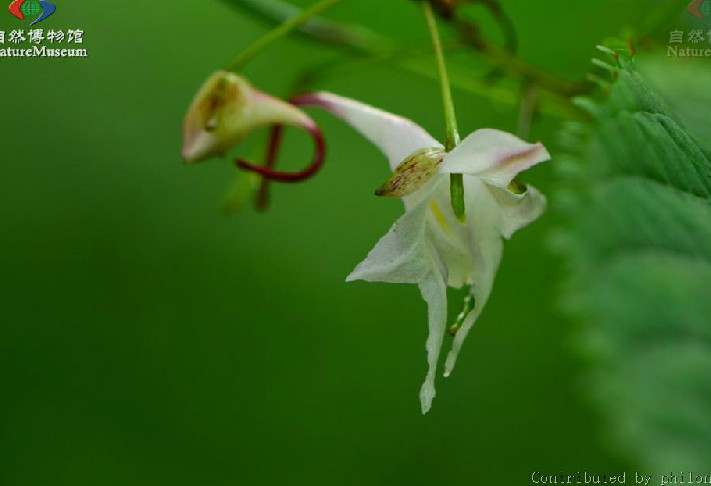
[
  {"x": 427, "y": 395},
  {"x": 434, "y": 293}
]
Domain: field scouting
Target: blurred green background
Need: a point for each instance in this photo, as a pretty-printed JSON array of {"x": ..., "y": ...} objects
[{"x": 148, "y": 338}]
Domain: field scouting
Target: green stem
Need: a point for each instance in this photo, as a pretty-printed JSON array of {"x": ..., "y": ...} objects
[
  {"x": 353, "y": 37},
  {"x": 292, "y": 23},
  {"x": 451, "y": 139},
  {"x": 376, "y": 47}
]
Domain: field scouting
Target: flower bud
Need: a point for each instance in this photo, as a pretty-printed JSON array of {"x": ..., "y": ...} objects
[
  {"x": 225, "y": 110},
  {"x": 418, "y": 168}
]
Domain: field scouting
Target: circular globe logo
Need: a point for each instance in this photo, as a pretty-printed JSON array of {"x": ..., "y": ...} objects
[{"x": 32, "y": 9}]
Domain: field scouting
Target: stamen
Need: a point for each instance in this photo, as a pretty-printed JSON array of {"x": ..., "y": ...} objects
[{"x": 469, "y": 304}]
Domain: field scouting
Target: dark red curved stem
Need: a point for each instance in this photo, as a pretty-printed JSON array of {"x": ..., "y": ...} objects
[
  {"x": 305, "y": 99},
  {"x": 267, "y": 169},
  {"x": 262, "y": 200},
  {"x": 274, "y": 175}
]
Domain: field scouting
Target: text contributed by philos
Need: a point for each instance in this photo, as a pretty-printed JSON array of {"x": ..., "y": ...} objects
[{"x": 633, "y": 478}]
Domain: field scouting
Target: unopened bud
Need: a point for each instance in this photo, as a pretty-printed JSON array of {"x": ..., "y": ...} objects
[{"x": 225, "y": 110}]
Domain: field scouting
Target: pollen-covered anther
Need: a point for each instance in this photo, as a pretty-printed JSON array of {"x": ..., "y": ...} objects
[{"x": 418, "y": 168}]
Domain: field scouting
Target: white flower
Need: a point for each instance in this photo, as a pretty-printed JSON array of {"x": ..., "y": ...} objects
[{"x": 428, "y": 246}]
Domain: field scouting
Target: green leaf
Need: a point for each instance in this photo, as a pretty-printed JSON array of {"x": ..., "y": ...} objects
[
  {"x": 639, "y": 253},
  {"x": 686, "y": 89}
]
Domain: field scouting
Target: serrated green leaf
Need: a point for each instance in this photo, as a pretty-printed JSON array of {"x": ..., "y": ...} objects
[{"x": 639, "y": 249}]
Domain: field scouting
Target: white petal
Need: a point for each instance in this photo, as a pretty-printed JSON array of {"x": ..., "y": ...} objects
[
  {"x": 518, "y": 210},
  {"x": 401, "y": 256},
  {"x": 460, "y": 336},
  {"x": 434, "y": 292},
  {"x": 492, "y": 212},
  {"x": 450, "y": 237},
  {"x": 395, "y": 136},
  {"x": 494, "y": 156},
  {"x": 486, "y": 246},
  {"x": 407, "y": 255}
]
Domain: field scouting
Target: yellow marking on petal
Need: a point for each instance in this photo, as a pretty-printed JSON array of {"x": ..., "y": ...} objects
[{"x": 439, "y": 217}]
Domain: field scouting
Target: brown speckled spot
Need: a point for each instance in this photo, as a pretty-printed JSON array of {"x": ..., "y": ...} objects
[{"x": 412, "y": 173}]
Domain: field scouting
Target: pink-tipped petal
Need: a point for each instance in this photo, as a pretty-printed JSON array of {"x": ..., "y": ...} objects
[{"x": 494, "y": 156}]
